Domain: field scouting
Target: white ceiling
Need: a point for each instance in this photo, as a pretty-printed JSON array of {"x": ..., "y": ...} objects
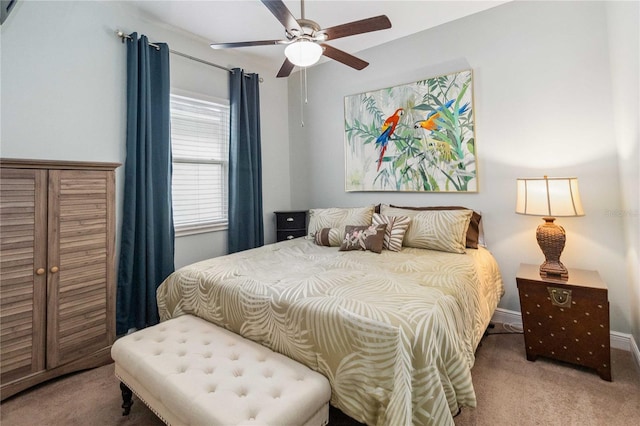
[{"x": 248, "y": 20}]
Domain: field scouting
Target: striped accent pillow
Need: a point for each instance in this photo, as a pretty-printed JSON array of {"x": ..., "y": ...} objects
[
  {"x": 396, "y": 228},
  {"x": 330, "y": 237}
]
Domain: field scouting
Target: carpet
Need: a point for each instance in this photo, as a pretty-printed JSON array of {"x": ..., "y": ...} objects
[{"x": 510, "y": 390}]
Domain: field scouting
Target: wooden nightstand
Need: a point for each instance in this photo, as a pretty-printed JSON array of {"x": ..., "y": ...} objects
[
  {"x": 291, "y": 224},
  {"x": 567, "y": 320}
]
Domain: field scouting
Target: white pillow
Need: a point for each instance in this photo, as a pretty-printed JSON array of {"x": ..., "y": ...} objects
[
  {"x": 338, "y": 218},
  {"x": 443, "y": 230}
]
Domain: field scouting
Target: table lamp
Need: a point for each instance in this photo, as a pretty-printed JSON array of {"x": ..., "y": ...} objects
[{"x": 549, "y": 197}]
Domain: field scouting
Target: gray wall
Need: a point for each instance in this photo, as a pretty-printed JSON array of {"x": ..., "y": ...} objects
[
  {"x": 554, "y": 94},
  {"x": 543, "y": 106},
  {"x": 63, "y": 95},
  {"x": 624, "y": 45}
]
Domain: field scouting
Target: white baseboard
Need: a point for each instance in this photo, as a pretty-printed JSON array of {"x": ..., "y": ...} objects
[
  {"x": 619, "y": 340},
  {"x": 506, "y": 316},
  {"x": 635, "y": 352}
]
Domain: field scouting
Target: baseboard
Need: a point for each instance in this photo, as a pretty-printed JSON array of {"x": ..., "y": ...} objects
[
  {"x": 635, "y": 352},
  {"x": 506, "y": 316}
]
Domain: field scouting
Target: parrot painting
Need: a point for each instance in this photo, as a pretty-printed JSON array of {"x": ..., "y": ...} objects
[
  {"x": 388, "y": 127},
  {"x": 431, "y": 122}
]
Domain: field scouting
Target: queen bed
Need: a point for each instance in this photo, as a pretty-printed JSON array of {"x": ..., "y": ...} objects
[{"x": 394, "y": 332}]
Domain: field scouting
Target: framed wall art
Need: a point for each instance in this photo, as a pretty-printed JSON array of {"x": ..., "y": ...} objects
[{"x": 413, "y": 137}]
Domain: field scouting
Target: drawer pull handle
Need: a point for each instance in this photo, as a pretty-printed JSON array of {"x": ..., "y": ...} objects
[
  {"x": 289, "y": 219},
  {"x": 560, "y": 297},
  {"x": 40, "y": 271}
]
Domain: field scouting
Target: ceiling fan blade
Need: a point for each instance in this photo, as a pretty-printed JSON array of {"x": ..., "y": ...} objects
[
  {"x": 285, "y": 69},
  {"x": 282, "y": 14},
  {"x": 247, "y": 44},
  {"x": 344, "y": 57},
  {"x": 358, "y": 27}
]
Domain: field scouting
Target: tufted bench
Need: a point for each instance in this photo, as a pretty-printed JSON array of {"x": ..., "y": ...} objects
[{"x": 191, "y": 372}]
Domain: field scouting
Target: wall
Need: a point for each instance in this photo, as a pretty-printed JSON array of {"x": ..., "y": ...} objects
[
  {"x": 544, "y": 83},
  {"x": 543, "y": 101},
  {"x": 624, "y": 44},
  {"x": 63, "y": 95}
]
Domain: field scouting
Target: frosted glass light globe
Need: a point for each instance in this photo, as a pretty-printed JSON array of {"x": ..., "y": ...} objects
[{"x": 303, "y": 53}]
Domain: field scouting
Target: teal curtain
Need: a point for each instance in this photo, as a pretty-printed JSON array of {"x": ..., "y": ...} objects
[
  {"x": 246, "y": 228},
  {"x": 147, "y": 239}
]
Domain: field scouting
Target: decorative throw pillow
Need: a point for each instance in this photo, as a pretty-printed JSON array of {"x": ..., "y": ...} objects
[
  {"x": 369, "y": 237},
  {"x": 330, "y": 237},
  {"x": 338, "y": 218},
  {"x": 475, "y": 234},
  {"x": 396, "y": 228},
  {"x": 443, "y": 230}
]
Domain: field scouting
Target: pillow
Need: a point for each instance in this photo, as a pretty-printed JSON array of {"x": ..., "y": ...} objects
[
  {"x": 369, "y": 237},
  {"x": 338, "y": 218},
  {"x": 330, "y": 237},
  {"x": 396, "y": 228},
  {"x": 443, "y": 230},
  {"x": 474, "y": 233}
]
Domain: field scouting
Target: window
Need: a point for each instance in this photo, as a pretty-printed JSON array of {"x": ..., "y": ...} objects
[{"x": 199, "y": 143}]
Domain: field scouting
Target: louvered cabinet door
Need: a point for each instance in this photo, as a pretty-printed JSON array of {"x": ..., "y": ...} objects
[
  {"x": 23, "y": 212},
  {"x": 80, "y": 306}
]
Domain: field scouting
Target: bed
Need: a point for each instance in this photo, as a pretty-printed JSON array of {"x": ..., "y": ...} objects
[{"x": 394, "y": 332}]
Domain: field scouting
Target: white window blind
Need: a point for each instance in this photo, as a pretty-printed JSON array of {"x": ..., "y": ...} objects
[{"x": 200, "y": 143}]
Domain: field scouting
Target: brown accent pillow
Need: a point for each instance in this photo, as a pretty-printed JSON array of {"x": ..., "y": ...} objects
[
  {"x": 473, "y": 232},
  {"x": 330, "y": 237},
  {"x": 369, "y": 237}
]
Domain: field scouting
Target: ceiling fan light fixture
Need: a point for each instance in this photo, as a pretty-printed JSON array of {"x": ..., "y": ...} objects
[{"x": 303, "y": 53}]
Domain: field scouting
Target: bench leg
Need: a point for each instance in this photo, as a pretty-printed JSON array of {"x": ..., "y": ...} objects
[{"x": 127, "y": 400}]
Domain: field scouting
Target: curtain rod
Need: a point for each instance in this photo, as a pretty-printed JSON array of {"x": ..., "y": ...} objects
[{"x": 124, "y": 36}]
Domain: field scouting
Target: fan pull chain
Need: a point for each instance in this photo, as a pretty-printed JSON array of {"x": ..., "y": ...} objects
[
  {"x": 306, "y": 97},
  {"x": 301, "y": 103},
  {"x": 303, "y": 94}
]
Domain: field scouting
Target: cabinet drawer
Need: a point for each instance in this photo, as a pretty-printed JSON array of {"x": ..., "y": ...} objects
[
  {"x": 567, "y": 323},
  {"x": 289, "y": 235},
  {"x": 291, "y": 220}
]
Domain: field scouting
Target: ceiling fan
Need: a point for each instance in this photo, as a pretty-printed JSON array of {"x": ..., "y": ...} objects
[{"x": 305, "y": 38}]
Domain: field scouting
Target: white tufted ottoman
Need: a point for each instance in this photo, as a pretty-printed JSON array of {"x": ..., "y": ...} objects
[{"x": 191, "y": 372}]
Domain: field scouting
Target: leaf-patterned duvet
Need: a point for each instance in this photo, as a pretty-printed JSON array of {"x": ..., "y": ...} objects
[{"x": 395, "y": 333}]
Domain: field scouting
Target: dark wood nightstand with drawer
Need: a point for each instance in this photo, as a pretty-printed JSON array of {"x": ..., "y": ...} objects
[
  {"x": 291, "y": 224},
  {"x": 567, "y": 320}
]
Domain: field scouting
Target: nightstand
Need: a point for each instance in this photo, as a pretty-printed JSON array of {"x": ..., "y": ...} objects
[
  {"x": 291, "y": 224},
  {"x": 567, "y": 320}
]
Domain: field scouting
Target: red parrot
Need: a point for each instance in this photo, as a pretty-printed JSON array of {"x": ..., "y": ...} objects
[{"x": 388, "y": 127}]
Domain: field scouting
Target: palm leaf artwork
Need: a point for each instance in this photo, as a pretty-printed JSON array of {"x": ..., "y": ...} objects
[{"x": 432, "y": 146}]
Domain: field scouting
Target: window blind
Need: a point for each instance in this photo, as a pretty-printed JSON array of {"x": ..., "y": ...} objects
[{"x": 199, "y": 142}]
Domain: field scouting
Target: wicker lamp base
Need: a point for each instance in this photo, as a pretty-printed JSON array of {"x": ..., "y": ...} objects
[{"x": 551, "y": 239}]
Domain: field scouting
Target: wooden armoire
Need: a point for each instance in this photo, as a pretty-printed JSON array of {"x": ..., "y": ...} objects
[{"x": 57, "y": 282}]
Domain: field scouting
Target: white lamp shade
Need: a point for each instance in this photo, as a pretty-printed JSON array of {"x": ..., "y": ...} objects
[
  {"x": 303, "y": 53},
  {"x": 548, "y": 197}
]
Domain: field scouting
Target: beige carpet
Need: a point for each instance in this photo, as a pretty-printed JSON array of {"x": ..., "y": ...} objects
[{"x": 510, "y": 391}]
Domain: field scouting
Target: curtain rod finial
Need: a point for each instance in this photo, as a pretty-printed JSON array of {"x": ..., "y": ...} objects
[{"x": 121, "y": 34}]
